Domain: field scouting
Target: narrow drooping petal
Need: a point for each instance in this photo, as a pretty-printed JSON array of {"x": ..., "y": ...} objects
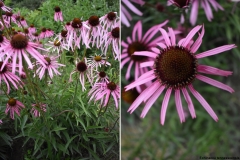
[{"x": 164, "y": 105}]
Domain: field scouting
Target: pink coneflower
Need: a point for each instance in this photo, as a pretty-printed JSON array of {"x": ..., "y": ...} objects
[
  {"x": 101, "y": 77},
  {"x": 4, "y": 8},
  {"x": 139, "y": 43},
  {"x": 32, "y": 29},
  {"x": 8, "y": 76},
  {"x": 76, "y": 33},
  {"x": 109, "y": 20},
  {"x": 23, "y": 22},
  {"x": 14, "y": 106},
  {"x": 83, "y": 70},
  {"x": 17, "y": 48},
  {"x": 46, "y": 33},
  {"x": 103, "y": 91},
  {"x": 125, "y": 15},
  {"x": 50, "y": 67},
  {"x": 175, "y": 67},
  {"x": 58, "y": 14},
  {"x": 206, "y": 6},
  {"x": 37, "y": 108},
  {"x": 112, "y": 38},
  {"x": 94, "y": 33},
  {"x": 180, "y": 3},
  {"x": 56, "y": 46},
  {"x": 94, "y": 62},
  {"x": 8, "y": 17}
]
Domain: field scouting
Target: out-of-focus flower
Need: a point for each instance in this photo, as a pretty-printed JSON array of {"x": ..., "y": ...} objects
[
  {"x": 180, "y": 3},
  {"x": 175, "y": 67},
  {"x": 1, "y": 121},
  {"x": 32, "y": 29},
  {"x": 103, "y": 91},
  {"x": 17, "y": 48},
  {"x": 125, "y": 15},
  {"x": 37, "y": 108},
  {"x": 14, "y": 106},
  {"x": 4, "y": 8},
  {"x": 139, "y": 42},
  {"x": 50, "y": 67},
  {"x": 7, "y": 76},
  {"x": 205, "y": 4},
  {"x": 58, "y": 14}
]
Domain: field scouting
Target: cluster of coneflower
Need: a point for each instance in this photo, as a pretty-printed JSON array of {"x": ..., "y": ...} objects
[{"x": 23, "y": 54}]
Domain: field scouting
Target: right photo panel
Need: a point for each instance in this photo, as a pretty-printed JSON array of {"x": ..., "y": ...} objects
[{"x": 180, "y": 73}]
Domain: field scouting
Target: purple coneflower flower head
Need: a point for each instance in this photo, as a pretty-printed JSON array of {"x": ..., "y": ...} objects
[
  {"x": 14, "y": 106},
  {"x": 103, "y": 91},
  {"x": 4, "y": 8},
  {"x": 112, "y": 38},
  {"x": 8, "y": 17},
  {"x": 94, "y": 34},
  {"x": 109, "y": 20},
  {"x": 206, "y": 6},
  {"x": 180, "y": 3},
  {"x": 76, "y": 33},
  {"x": 58, "y": 14},
  {"x": 16, "y": 49},
  {"x": 50, "y": 67},
  {"x": 7, "y": 76},
  {"x": 46, "y": 33},
  {"x": 56, "y": 46},
  {"x": 94, "y": 62},
  {"x": 175, "y": 67},
  {"x": 32, "y": 29},
  {"x": 83, "y": 70},
  {"x": 125, "y": 15},
  {"x": 101, "y": 77},
  {"x": 139, "y": 42},
  {"x": 38, "y": 108}
]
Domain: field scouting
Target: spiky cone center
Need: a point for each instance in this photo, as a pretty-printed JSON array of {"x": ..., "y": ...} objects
[
  {"x": 64, "y": 33},
  {"x": 136, "y": 47},
  {"x": 19, "y": 41},
  {"x": 57, "y": 43},
  {"x": 43, "y": 29},
  {"x": 130, "y": 95},
  {"x": 111, "y": 86},
  {"x": 93, "y": 21},
  {"x": 181, "y": 3},
  {"x": 12, "y": 102},
  {"x": 97, "y": 58},
  {"x": 57, "y": 9},
  {"x": 81, "y": 66},
  {"x": 48, "y": 60},
  {"x": 32, "y": 25},
  {"x": 9, "y": 14},
  {"x": 175, "y": 67},
  {"x": 26, "y": 31},
  {"x": 22, "y": 18},
  {"x": 1, "y": 4},
  {"x": 35, "y": 34},
  {"x": 115, "y": 32},
  {"x": 111, "y": 16},
  {"x": 4, "y": 68},
  {"x": 76, "y": 23},
  {"x": 102, "y": 74},
  {"x": 1, "y": 38}
]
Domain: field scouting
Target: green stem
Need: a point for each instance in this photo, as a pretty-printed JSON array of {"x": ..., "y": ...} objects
[{"x": 114, "y": 125}]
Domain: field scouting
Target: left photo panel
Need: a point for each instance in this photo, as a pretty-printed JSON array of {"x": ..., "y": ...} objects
[{"x": 59, "y": 80}]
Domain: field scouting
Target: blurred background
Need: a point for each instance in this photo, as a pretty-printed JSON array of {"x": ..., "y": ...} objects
[{"x": 147, "y": 139}]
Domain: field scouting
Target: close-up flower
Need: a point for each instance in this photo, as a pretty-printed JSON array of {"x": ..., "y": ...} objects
[
  {"x": 139, "y": 42},
  {"x": 17, "y": 48},
  {"x": 175, "y": 67},
  {"x": 14, "y": 106},
  {"x": 206, "y": 5}
]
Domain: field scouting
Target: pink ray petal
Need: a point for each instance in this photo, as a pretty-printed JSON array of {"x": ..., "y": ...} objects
[{"x": 164, "y": 105}]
